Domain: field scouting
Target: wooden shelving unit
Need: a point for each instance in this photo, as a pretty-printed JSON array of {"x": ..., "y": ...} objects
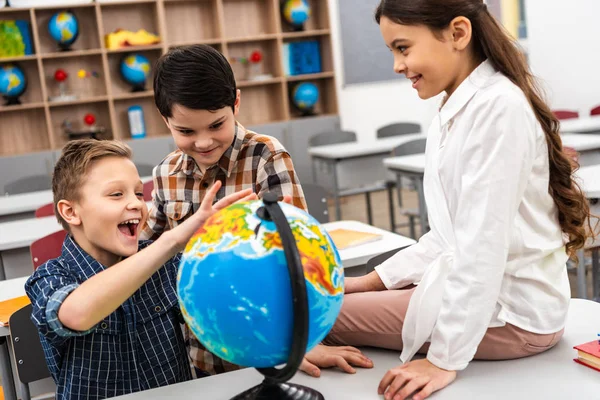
[{"x": 234, "y": 27}]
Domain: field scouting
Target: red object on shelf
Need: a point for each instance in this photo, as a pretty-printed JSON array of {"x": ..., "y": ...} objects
[
  {"x": 89, "y": 119},
  {"x": 60, "y": 75},
  {"x": 256, "y": 57}
]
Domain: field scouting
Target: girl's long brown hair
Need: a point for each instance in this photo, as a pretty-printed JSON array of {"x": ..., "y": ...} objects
[{"x": 490, "y": 41}]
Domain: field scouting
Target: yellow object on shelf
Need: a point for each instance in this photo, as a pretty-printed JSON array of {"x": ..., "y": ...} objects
[
  {"x": 510, "y": 16},
  {"x": 123, "y": 38}
]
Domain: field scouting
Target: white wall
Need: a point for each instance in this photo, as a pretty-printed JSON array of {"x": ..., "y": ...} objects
[
  {"x": 365, "y": 107},
  {"x": 564, "y": 51}
]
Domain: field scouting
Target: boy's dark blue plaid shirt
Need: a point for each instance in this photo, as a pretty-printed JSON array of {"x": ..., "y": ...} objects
[{"x": 139, "y": 346}]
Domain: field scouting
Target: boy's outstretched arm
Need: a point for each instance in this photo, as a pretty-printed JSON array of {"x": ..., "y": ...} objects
[{"x": 103, "y": 293}]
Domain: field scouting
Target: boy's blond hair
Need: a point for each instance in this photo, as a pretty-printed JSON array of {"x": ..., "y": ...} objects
[{"x": 74, "y": 163}]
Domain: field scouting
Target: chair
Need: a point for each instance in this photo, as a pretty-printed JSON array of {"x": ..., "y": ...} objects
[
  {"x": 32, "y": 183},
  {"x": 45, "y": 211},
  {"x": 148, "y": 188},
  {"x": 316, "y": 200},
  {"x": 375, "y": 261},
  {"x": 27, "y": 349},
  {"x": 335, "y": 137},
  {"x": 565, "y": 114},
  {"x": 47, "y": 248},
  {"x": 595, "y": 111},
  {"x": 400, "y": 128}
]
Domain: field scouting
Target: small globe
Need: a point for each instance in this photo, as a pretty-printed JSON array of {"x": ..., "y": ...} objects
[
  {"x": 296, "y": 12},
  {"x": 135, "y": 69},
  {"x": 12, "y": 82},
  {"x": 64, "y": 28},
  {"x": 305, "y": 96},
  {"x": 234, "y": 286}
]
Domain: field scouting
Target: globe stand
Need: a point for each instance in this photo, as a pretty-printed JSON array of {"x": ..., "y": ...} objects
[
  {"x": 275, "y": 386},
  {"x": 12, "y": 101},
  {"x": 138, "y": 88}
]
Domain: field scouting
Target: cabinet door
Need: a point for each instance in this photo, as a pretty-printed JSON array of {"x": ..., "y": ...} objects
[
  {"x": 21, "y": 167},
  {"x": 278, "y": 130},
  {"x": 148, "y": 153}
]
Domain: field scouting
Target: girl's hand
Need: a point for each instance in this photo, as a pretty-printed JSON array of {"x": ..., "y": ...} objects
[
  {"x": 420, "y": 377},
  {"x": 343, "y": 357}
]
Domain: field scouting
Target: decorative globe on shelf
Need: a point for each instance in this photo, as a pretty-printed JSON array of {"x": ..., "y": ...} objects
[
  {"x": 64, "y": 28},
  {"x": 237, "y": 288},
  {"x": 305, "y": 96},
  {"x": 135, "y": 69},
  {"x": 13, "y": 83},
  {"x": 296, "y": 12}
]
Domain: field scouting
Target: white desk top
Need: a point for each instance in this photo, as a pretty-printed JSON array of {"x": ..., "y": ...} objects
[
  {"x": 550, "y": 375},
  {"x": 359, "y": 255},
  {"x": 590, "y": 180},
  {"x": 412, "y": 163},
  {"x": 10, "y": 289},
  {"x": 29, "y": 202},
  {"x": 578, "y": 125},
  {"x": 21, "y": 233},
  {"x": 360, "y": 149},
  {"x": 581, "y": 141}
]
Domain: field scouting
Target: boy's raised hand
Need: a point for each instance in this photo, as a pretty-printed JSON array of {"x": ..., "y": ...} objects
[{"x": 183, "y": 233}]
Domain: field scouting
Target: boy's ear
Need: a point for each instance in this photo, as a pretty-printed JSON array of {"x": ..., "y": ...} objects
[
  {"x": 67, "y": 211},
  {"x": 236, "y": 105},
  {"x": 461, "y": 31}
]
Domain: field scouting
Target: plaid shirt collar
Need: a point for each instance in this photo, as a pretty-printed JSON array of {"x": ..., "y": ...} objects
[
  {"x": 78, "y": 260},
  {"x": 226, "y": 163}
]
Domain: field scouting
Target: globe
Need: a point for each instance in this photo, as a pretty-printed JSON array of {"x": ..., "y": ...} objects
[
  {"x": 234, "y": 287},
  {"x": 296, "y": 12},
  {"x": 135, "y": 69},
  {"x": 64, "y": 28},
  {"x": 305, "y": 95},
  {"x": 12, "y": 83}
]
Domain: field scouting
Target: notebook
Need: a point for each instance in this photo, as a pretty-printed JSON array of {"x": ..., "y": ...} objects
[
  {"x": 589, "y": 354},
  {"x": 345, "y": 238},
  {"x": 8, "y": 307}
]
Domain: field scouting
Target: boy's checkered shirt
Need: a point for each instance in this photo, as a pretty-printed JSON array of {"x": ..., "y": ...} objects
[{"x": 137, "y": 347}]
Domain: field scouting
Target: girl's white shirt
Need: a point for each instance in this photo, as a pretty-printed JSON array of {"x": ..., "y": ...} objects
[{"x": 495, "y": 253}]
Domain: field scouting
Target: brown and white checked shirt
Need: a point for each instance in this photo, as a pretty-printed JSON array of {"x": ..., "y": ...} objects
[{"x": 252, "y": 161}]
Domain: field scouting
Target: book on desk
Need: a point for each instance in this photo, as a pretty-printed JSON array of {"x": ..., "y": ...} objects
[
  {"x": 346, "y": 238},
  {"x": 589, "y": 354},
  {"x": 8, "y": 307}
]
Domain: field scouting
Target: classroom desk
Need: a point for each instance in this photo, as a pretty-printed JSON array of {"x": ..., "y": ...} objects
[
  {"x": 332, "y": 156},
  {"x": 8, "y": 289},
  {"x": 550, "y": 375},
  {"x": 581, "y": 125},
  {"x": 587, "y": 145}
]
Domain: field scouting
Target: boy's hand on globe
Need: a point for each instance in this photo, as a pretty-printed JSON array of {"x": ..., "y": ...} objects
[
  {"x": 183, "y": 233},
  {"x": 343, "y": 357}
]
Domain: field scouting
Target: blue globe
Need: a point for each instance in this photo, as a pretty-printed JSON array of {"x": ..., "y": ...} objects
[
  {"x": 64, "y": 28},
  {"x": 296, "y": 12},
  {"x": 235, "y": 291},
  {"x": 305, "y": 96},
  {"x": 12, "y": 82},
  {"x": 135, "y": 69}
]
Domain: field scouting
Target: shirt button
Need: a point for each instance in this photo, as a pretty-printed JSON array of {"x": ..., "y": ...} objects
[
  {"x": 205, "y": 185},
  {"x": 103, "y": 325},
  {"x": 157, "y": 308}
]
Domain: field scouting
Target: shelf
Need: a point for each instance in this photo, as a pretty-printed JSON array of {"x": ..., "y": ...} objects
[
  {"x": 246, "y": 18},
  {"x": 88, "y": 29},
  {"x": 191, "y": 21},
  {"x": 49, "y": 7},
  {"x": 321, "y": 75},
  {"x": 134, "y": 95},
  {"x": 19, "y": 107},
  {"x": 155, "y": 125},
  {"x": 243, "y": 84},
  {"x": 319, "y": 19},
  {"x": 18, "y": 58},
  {"x": 73, "y": 53},
  {"x": 256, "y": 38},
  {"x": 261, "y": 104},
  {"x": 28, "y": 132},
  {"x": 86, "y": 100},
  {"x": 209, "y": 42},
  {"x": 124, "y": 2},
  {"x": 133, "y": 49},
  {"x": 327, "y": 102},
  {"x": 304, "y": 34},
  {"x": 271, "y": 63}
]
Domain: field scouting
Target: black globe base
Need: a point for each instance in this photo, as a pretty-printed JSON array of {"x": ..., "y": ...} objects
[
  {"x": 138, "y": 88},
  {"x": 279, "y": 391},
  {"x": 12, "y": 101}
]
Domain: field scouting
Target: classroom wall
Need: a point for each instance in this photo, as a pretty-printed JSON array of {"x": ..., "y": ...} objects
[
  {"x": 364, "y": 107},
  {"x": 563, "y": 51}
]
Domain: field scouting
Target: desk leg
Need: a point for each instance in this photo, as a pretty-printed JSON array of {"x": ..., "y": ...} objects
[
  {"x": 336, "y": 191},
  {"x": 2, "y": 273},
  {"x": 581, "y": 281},
  {"x": 422, "y": 205},
  {"x": 6, "y": 373}
]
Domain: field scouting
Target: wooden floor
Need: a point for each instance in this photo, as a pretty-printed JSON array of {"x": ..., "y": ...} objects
[{"x": 354, "y": 208}]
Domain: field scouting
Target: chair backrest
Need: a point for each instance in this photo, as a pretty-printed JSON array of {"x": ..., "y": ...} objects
[
  {"x": 565, "y": 114},
  {"x": 45, "y": 211},
  {"x": 400, "y": 128},
  {"x": 144, "y": 169},
  {"x": 595, "y": 111},
  {"x": 415, "y": 146},
  {"x": 316, "y": 200},
  {"x": 32, "y": 183},
  {"x": 27, "y": 348},
  {"x": 47, "y": 248},
  {"x": 375, "y": 261},
  {"x": 335, "y": 137},
  {"x": 148, "y": 188}
]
